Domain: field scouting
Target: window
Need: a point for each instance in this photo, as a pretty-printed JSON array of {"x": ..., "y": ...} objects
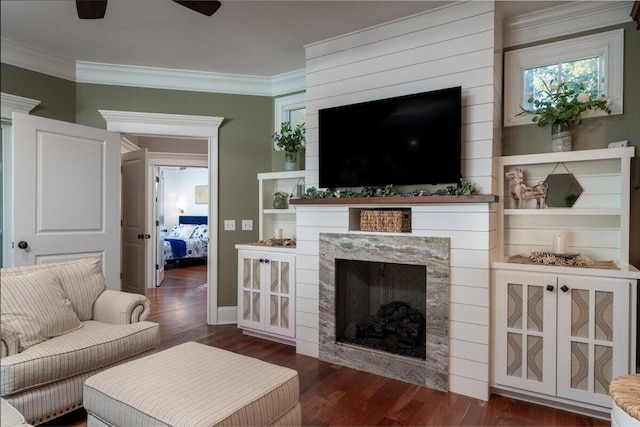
[
  {"x": 596, "y": 60},
  {"x": 289, "y": 109}
]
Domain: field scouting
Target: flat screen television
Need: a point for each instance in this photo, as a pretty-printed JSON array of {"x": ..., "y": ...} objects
[{"x": 406, "y": 140}]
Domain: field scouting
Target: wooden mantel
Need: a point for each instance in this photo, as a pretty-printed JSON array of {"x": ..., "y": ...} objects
[{"x": 417, "y": 200}]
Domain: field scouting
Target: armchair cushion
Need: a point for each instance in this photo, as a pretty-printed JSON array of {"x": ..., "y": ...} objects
[
  {"x": 36, "y": 307},
  {"x": 81, "y": 279},
  {"x": 96, "y": 345}
]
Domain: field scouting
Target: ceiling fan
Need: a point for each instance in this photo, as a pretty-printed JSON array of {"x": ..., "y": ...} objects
[{"x": 95, "y": 9}]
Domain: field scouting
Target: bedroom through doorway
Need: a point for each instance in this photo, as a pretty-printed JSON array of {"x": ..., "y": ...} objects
[{"x": 181, "y": 240}]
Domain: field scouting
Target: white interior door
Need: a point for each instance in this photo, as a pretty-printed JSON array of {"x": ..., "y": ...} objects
[
  {"x": 65, "y": 194},
  {"x": 135, "y": 228}
]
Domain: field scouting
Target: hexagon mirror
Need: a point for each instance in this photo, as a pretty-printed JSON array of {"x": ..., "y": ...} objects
[{"x": 564, "y": 190}]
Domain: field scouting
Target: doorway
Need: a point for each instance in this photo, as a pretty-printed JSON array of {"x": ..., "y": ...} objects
[
  {"x": 181, "y": 208},
  {"x": 182, "y": 126}
]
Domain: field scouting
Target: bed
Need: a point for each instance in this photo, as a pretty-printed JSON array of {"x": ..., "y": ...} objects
[{"x": 188, "y": 239}]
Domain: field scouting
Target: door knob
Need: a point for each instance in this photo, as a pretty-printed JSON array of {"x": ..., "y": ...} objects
[
  {"x": 550, "y": 288},
  {"x": 23, "y": 245},
  {"x": 564, "y": 288}
]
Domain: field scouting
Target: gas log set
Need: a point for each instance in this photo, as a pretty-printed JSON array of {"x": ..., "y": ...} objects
[{"x": 395, "y": 328}]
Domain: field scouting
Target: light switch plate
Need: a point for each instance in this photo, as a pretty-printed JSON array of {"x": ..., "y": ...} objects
[
  {"x": 229, "y": 225},
  {"x": 247, "y": 224}
]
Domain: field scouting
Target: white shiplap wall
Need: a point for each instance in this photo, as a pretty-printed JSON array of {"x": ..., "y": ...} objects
[{"x": 450, "y": 46}]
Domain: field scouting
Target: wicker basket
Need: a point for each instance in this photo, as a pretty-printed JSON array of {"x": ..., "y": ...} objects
[{"x": 392, "y": 221}]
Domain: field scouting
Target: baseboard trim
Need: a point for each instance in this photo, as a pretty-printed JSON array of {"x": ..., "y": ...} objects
[{"x": 227, "y": 315}]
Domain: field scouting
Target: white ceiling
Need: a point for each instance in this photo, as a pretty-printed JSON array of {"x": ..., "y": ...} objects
[{"x": 258, "y": 38}]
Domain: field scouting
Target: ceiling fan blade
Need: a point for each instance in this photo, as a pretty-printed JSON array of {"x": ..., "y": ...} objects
[
  {"x": 91, "y": 9},
  {"x": 205, "y": 7}
]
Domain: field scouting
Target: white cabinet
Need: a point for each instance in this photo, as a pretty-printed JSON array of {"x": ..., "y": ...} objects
[
  {"x": 273, "y": 219},
  {"x": 561, "y": 335},
  {"x": 266, "y": 292}
]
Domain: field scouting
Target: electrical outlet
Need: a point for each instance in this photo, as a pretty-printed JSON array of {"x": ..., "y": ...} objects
[
  {"x": 618, "y": 144},
  {"x": 247, "y": 224},
  {"x": 229, "y": 225}
]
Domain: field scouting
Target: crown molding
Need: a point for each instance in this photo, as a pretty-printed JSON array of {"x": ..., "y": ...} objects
[
  {"x": 127, "y": 146},
  {"x": 563, "y": 20},
  {"x": 23, "y": 56},
  {"x": 294, "y": 81},
  {"x": 165, "y": 78},
  {"x": 196, "y": 81},
  {"x": 18, "y": 104}
]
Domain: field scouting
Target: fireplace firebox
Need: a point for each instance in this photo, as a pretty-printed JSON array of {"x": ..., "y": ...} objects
[{"x": 381, "y": 306}]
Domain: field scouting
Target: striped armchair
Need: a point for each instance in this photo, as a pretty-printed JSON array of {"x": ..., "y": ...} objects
[{"x": 59, "y": 325}]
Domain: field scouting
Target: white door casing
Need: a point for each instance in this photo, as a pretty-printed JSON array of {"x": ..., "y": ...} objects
[
  {"x": 158, "y": 211},
  {"x": 135, "y": 225},
  {"x": 185, "y": 126},
  {"x": 65, "y": 197}
]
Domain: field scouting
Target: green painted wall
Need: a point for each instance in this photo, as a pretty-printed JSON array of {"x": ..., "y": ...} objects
[
  {"x": 244, "y": 151},
  {"x": 57, "y": 96},
  {"x": 597, "y": 132}
]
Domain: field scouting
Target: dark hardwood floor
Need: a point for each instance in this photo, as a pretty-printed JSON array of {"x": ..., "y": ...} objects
[{"x": 333, "y": 395}]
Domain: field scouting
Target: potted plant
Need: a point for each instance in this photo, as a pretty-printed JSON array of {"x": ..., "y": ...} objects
[
  {"x": 561, "y": 105},
  {"x": 291, "y": 141}
]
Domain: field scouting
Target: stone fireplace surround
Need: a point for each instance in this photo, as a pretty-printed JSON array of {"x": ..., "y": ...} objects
[{"x": 433, "y": 252}]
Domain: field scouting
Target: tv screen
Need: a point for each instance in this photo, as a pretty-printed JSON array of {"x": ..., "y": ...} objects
[{"x": 406, "y": 140}]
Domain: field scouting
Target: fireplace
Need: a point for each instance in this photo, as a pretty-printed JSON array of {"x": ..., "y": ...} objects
[
  {"x": 381, "y": 306},
  {"x": 384, "y": 305}
]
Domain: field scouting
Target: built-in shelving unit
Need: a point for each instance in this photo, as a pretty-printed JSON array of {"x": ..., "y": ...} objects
[
  {"x": 598, "y": 223},
  {"x": 270, "y": 219},
  {"x": 548, "y": 320}
]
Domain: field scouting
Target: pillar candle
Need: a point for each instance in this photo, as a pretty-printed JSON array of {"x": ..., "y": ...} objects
[
  {"x": 559, "y": 243},
  {"x": 278, "y": 233}
]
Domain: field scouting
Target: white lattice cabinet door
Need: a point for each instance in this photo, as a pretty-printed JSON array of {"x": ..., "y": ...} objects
[
  {"x": 266, "y": 293},
  {"x": 593, "y": 336},
  {"x": 251, "y": 308},
  {"x": 525, "y": 328},
  {"x": 280, "y": 294}
]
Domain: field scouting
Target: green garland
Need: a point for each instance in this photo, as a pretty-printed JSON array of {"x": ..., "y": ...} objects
[{"x": 465, "y": 188}]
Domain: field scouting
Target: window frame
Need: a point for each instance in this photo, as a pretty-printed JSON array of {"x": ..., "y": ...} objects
[{"x": 608, "y": 45}]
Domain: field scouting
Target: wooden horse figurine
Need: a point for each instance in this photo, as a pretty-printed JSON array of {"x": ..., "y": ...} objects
[{"x": 521, "y": 192}]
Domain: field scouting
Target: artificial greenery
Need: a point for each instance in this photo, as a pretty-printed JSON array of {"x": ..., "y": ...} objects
[
  {"x": 465, "y": 188},
  {"x": 289, "y": 139},
  {"x": 564, "y": 103}
]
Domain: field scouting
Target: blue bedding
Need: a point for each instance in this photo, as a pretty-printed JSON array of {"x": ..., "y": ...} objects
[{"x": 178, "y": 247}]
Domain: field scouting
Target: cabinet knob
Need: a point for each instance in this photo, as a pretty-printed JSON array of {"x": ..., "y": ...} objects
[
  {"x": 261, "y": 260},
  {"x": 564, "y": 288},
  {"x": 550, "y": 288},
  {"x": 266, "y": 261}
]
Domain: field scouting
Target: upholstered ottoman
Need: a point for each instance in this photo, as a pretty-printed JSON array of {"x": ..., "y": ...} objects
[{"x": 193, "y": 385}]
